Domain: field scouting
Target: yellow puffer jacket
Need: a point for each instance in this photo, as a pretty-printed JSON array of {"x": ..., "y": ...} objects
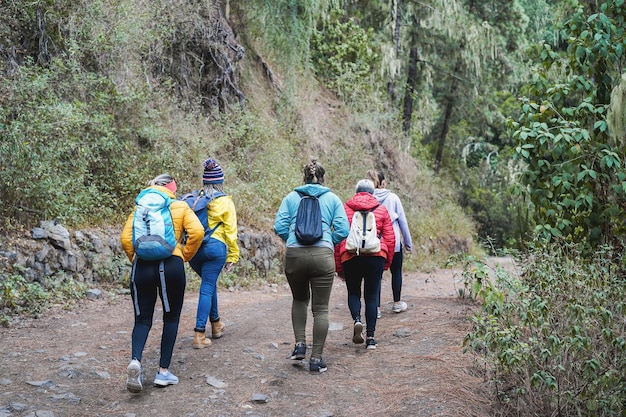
[
  {"x": 184, "y": 219},
  {"x": 223, "y": 210}
]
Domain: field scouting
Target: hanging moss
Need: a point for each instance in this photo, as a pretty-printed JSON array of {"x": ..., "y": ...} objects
[{"x": 616, "y": 116}]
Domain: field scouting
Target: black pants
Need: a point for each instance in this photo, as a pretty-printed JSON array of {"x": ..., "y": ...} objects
[
  {"x": 366, "y": 271},
  {"x": 147, "y": 281}
]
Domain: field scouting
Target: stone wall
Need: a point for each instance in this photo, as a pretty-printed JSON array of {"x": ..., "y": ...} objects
[{"x": 94, "y": 256}]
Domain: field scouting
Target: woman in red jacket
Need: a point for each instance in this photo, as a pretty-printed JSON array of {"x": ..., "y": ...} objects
[{"x": 368, "y": 269}]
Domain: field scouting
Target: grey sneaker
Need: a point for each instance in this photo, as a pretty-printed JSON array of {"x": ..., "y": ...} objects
[
  {"x": 134, "y": 379},
  {"x": 317, "y": 365},
  {"x": 357, "y": 336},
  {"x": 165, "y": 379},
  {"x": 299, "y": 351}
]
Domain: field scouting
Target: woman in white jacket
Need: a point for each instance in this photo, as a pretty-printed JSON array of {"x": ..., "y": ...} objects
[{"x": 401, "y": 229}]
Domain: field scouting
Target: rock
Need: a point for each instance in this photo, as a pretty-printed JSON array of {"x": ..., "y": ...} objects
[
  {"x": 45, "y": 383},
  {"x": 94, "y": 294},
  {"x": 214, "y": 382},
  {"x": 39, "y": 233},
  {"x": 17, "y": 407},
  {"x": 402, "y": 332},
  {"x": 68, "y": 397},
  {"x": 259, "y": 398},
  {"x": 41, "y": 413},
  {"x": 58, "y": 235}
]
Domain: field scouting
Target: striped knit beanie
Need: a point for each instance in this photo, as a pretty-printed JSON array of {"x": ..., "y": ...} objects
[{"x": 212, "y": 173}]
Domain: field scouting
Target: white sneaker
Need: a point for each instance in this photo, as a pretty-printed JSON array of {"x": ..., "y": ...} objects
[
  {"x": 357, "y": 336},
  {"x": 399, "y": 307},
  {"x": 378, "y": 313},
  {"x": 134, "y": 379}
]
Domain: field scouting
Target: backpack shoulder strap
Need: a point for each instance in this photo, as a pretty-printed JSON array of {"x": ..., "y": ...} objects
[
  {"x": 198, "y": 200},
  {"x": 302, "y": 194}
]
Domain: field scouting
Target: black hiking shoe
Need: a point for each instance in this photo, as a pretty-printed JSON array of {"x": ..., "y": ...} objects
[
  {"x": 371, "y": 343},
  {"x": 299, "y": 351},
  {"x": 317, "y": 365}
]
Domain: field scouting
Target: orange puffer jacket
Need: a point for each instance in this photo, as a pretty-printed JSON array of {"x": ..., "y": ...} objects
[{"x": 183, "y": 218}]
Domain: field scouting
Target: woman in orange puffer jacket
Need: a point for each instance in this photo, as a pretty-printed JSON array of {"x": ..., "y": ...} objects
[{"x": 147, "y": 279}]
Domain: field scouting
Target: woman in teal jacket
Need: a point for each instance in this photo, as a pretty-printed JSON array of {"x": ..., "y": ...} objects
[{"x": 310, "y": 269}]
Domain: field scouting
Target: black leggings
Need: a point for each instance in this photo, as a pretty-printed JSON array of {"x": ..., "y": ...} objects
[
  {"x": 366, "y": 271},
  {"x": 146, "y": 282}
]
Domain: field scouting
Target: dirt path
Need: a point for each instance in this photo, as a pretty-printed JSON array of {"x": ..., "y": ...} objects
[{"x": 73, "y": 363}]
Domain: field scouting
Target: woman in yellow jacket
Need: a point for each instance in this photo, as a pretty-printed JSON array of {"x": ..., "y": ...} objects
[
  {"x": 165, "y": 277},
  {"x": 219, "y": 250}
]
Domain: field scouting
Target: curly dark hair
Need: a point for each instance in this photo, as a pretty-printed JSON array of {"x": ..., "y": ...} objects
[{"x": 314, "y": 173}]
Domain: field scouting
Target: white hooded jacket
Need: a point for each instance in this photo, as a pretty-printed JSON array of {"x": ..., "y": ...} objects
[{"x": 400, "y": 225}]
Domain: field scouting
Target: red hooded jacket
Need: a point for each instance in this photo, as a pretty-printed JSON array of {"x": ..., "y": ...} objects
[{"x": 384, "y": 226}]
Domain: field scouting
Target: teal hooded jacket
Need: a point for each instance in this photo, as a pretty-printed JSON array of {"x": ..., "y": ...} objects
[{"x": 335, "y": 224}]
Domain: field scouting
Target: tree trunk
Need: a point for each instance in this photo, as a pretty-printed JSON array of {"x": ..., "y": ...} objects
[
  {"x": 411, "y": 84},
  {"x": 396, "y": 49},
  {"x": 396, "y": 29},
  {"x": 450, "y": 99}
]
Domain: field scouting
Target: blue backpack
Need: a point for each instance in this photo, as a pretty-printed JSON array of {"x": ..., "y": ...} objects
[
  {"x": 199, "y": 203},
  {"x": 153, "y": 230}
]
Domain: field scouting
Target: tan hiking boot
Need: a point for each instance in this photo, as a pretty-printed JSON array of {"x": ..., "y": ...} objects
[
  {"x": 200, "y": 341},
  {"x": 217, "y": 328}
]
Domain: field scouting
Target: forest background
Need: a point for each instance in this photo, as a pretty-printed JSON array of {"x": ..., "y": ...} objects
[{"x": 500, "y": 124}]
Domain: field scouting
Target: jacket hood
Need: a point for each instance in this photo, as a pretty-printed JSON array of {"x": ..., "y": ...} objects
[
  {"x": 314, "y": 190},
  {"x": 164, "y": 190},
  {"x": 362, "y": 201},
  {"x": 381, "y": 194}
]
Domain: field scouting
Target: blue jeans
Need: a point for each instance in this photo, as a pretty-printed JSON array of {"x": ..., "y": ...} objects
[
  {"x": 208, "y": 263},
  {"x": 369, "y": 271}
]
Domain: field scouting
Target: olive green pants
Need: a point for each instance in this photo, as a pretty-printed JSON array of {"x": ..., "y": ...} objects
[{"x": 310, "y": 272}]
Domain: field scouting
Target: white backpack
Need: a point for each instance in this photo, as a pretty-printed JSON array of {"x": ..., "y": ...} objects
[{"x": 363, "y": 238}]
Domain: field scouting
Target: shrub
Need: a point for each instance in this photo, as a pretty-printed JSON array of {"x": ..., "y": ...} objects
[
  {"x": 554, "y": 339},
  {"x": 342, "y": 55},
  {"x": 20, "y": 297}
]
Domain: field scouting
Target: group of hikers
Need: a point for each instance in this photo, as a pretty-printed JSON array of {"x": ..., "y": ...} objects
[{"x": 163, "y": 232}]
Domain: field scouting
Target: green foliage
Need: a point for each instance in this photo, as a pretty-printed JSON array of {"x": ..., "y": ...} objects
[
  {"x": 252, "y": 146},
  {"x": 114, "y": 104},
  {"x": 61, "y": 147},
  {"x": 502, "y": 218},
  {"x": 553, "y": 341},
  {"x": 286, "y": 27},
  {"x": 342, "y": 55},
  {"x": 575, "y": 175},
  {"x": 20, "y": 297}
]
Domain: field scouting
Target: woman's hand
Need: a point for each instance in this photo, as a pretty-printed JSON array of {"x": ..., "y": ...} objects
[{"x": 229, "y": 266}]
